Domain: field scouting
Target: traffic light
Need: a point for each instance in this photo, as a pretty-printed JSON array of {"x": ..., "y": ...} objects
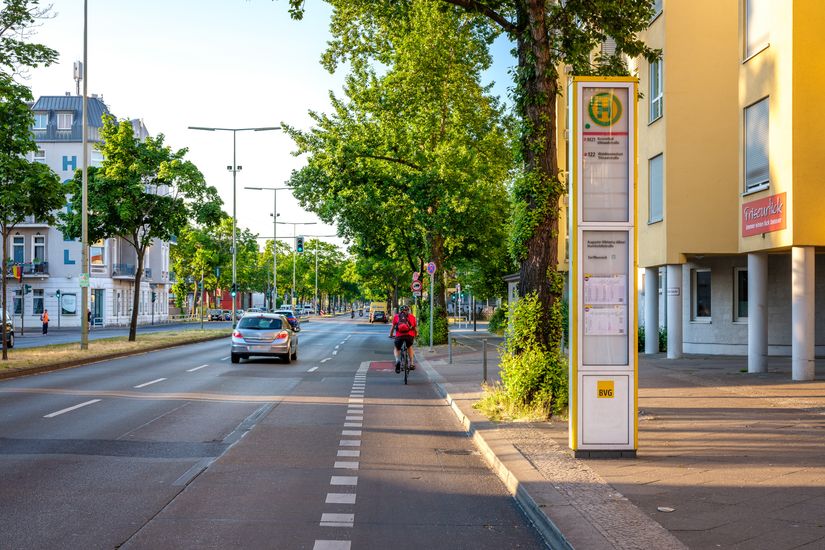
[
  {"x": 57, "y": 293},
  {"x": 452, "y": 297},
  {"x": 234, "y": 290},
  {"x": 299, "y": 243},
  {"x": 27, "y": 289},
  {"x": 154, "y": 295},
  {"x": 200, "y": 286}
]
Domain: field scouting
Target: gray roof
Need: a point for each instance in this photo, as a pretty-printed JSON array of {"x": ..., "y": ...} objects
[{"x": 70, "y": 104}]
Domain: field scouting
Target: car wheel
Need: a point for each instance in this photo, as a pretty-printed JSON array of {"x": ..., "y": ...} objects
[
  {"x": 235, "y": 358},
  {"x": 10, "y": 342},
  {"x": 287, "y": 358},
  {"x": 294, "y": 355}
]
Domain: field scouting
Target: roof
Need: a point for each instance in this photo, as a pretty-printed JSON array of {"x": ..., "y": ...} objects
[{"x": 70, "y": 104}]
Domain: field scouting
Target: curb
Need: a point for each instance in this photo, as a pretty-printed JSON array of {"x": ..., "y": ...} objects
[
  {"x": 17, "y": 373},
  {"x": 548, "y": 530}
]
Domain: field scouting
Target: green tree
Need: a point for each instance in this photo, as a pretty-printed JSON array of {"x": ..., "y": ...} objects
[
  {"x": 26, "y": 189},
  {"x": 143, "y": 191},
  {"x": 548, "y": 35}
]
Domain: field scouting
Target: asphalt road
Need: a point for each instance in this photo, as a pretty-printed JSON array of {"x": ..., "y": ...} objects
[{"x": 181, "y": 449}]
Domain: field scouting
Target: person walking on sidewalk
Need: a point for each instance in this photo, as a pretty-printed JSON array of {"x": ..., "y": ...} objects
[{"x": 44, "y": 318}]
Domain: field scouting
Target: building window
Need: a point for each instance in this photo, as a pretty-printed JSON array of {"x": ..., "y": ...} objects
[
  {"x": 740, "y": 294},
  {"x": 656, "y": 189},
  {"x": 64, "y": 121},
  {"x": 757, "y": 26},
  {"x": 18, "y": 248},
  {"x": 700, "y": 294},
  {"x": 39, "y": 156},
  {"x": 18, "y": 303},
  {"x": 97, "y": 253},
  {"x": 68, "y": 304},
  {"x": 757, "y": 165},
  {"x": 39, "y": 249},
  {"x": 656, "y": 93},
  {"x": 37, "y": 301},
  {"x": 41, "y": 120}
]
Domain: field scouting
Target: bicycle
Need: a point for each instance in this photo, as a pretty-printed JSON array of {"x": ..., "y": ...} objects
[{"x": 405, "y": 360}]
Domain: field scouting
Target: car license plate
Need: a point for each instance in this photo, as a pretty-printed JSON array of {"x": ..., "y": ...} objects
[{"x": 260, "y": 348}]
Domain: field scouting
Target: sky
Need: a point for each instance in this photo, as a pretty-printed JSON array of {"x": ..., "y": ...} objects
[{"x": 213, "y": 63}]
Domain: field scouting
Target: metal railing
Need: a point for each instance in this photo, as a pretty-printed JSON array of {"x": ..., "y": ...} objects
[
  {"x": 484, "y": 343},
  {"x": 123, "y": 270}
]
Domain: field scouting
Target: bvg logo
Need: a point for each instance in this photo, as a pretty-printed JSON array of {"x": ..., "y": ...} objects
[{"x": 605, "y": 109}]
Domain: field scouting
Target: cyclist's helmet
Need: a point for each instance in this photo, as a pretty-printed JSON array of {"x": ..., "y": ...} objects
[{"x": 405, "y": 308}]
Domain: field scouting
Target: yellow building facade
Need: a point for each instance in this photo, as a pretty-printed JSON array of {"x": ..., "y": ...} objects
[{"x": 731, "y": 193}]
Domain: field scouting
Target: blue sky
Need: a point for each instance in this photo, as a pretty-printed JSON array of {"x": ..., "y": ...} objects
[{"x": 230, "y": 63}]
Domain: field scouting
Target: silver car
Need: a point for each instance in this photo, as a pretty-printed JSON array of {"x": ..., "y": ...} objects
[{"x": 264, "y": 334}]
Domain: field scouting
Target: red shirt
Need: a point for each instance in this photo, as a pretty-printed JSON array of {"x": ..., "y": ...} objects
[{"x": 413, "y": 325}]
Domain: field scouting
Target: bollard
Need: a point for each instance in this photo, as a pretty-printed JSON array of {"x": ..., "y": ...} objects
[
  {"x": 450, "y": 348},
  {"x": 484, "y": 359}
]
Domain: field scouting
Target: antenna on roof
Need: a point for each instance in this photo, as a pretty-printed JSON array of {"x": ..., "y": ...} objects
[{"x": 78, "y": 75}]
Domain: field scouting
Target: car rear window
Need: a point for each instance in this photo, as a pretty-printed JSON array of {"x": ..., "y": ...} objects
[
  {"x": 287, "y": 313},
  {"x": 260, "y": 323}
]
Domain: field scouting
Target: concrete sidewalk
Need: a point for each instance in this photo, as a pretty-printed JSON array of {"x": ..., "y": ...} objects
[{"x": 725, "y": 459}]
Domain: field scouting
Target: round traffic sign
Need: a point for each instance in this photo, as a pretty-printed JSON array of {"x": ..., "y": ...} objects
[
  {"x": 431, "y": 268},
  {"x": 416, "y": 286}
]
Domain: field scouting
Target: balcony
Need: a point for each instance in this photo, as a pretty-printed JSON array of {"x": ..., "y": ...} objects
[
  {"x": 124, "y": 270},
  {"x": 31, "y": 221},
  {"x": 31, "y": 269}
]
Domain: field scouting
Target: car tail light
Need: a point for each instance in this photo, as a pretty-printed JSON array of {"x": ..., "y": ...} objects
[
  {"x": 282, "y": 334},
  {"x": 237, "y": 334}
]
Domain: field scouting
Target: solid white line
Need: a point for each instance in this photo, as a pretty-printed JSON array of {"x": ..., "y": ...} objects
[
  {"x": 313, "y": 369},
  {"x": 332, "y": 545},
  {"x": 149, "y": 383},
  {"x": 350, "y": 443},
  {"x": 340, "y": 498},
  {"x": 61, "y": 411},
  {"x": 343, "y": 480},
  {"x": 348, "y": 453},
  {"x": 346, "y": 465},
  {"x": 197, "y": 368},
  {"x": 351, "y": 432},
  {"x": 337, "y": 520},
  {"x": 353, "y": 424},
  {"x": 224, "y": 358}
]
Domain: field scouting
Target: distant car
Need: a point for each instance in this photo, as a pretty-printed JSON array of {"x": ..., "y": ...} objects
[
  {"x": 379, "y": 315},
  {"x": 216, "y": 315},
  {"x": 255, "y": 310},
  {"x": 266, "y": 335},
  {"x": 227, "y": 315},
  {"x": 290, "y": 316}
]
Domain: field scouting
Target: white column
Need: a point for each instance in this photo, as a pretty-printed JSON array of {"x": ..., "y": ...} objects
[
  {"x": 757, "y": 313},
  {"x": 802, "y": 312},
  {"x": 674, "y": 311},
  {"x": 651, "y": 310}
]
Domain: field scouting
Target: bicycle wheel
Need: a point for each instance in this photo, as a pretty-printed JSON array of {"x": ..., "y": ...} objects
[{"x": 405, "y": 358}]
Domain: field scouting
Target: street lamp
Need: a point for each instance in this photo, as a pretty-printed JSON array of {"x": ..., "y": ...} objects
[
  {"x": 234, "y": 169},
  {"x": 84, "y": 208},
  {"x": 274, "y": 239},
  {"x": 294, "y": 234}
]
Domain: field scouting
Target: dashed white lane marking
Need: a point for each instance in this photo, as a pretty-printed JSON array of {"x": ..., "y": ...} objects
[
  {"x": 337, "y": 520},
  {"x": 313, "y": 369},
  {"x": 325, "y": 360},
  {"x": 346, "y": 465},
  {"x": 348, "y": 453},
  {"x": 338, "y": 346},
  {"x": 197, "y": 368},
  {"x": 354, "y": 418},
  {"x": 69, "y": 409},
  {"x": 225, "y": 358},
  {"x": 149, "y": 383},
  {"x": 351, "y": 432},
  {"x": 334, "y": 352},
  {"x": 340, "y": 498},
  {"x": 353, "y": 424},
  {"x": 343, "y": 480},
  {"x": 332, "y": 545},
  {"x": 350, "y": 443}
]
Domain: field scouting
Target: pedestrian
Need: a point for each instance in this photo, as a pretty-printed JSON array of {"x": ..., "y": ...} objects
[
  {"x": 44, "y": 318},
  {"x": 89, "y": 318}
]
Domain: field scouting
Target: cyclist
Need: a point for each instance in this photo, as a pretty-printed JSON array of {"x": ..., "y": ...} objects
[{"x": 403, "y": 327}]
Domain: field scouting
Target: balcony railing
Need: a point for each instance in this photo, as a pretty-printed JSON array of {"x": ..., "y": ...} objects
[
  {"x": 123, "y": 270},
  {"x": 30, "y": 268}
]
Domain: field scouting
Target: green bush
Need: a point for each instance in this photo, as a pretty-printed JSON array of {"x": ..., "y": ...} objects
[
  {"x": 498, "y": 320},
  {"x": 641, "y": 339},
  {"x": 440, "y": 328},
  {"x": 662, "y": 339}
]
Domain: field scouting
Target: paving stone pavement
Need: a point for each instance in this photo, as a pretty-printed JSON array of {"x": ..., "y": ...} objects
[{"x": 739, "y": 458}]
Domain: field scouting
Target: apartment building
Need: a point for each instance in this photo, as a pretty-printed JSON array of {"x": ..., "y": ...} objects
[
  {"x": 731, "y": 197},
  {"x": 49, "y": 262}
]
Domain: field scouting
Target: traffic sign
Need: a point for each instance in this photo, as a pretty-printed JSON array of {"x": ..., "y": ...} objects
[
  {"x": 416, "y": 286},
  {"x": 417, "y": 294},
  {"x": 416, "y": 275},
  {"x": 84, "y": 280},
  {"x": 431, "y": 268}
]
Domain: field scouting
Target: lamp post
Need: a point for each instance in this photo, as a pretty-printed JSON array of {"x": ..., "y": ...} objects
[
  {"x": 274, "y": 239},
  {"x": 84, "y": 211},
  {"x": 234, "y": 169},
  {"x": 294, "y": 253}
]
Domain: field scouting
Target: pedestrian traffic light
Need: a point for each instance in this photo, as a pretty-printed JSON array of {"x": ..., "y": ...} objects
[
  {"x": 27, "y": 289},
  {"x": 299, "y": 243},
  {"x": 57, "y": 293}
]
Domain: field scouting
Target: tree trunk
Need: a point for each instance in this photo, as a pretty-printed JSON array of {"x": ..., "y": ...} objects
[
  {"x": 5, "y": 298},
  {"x": 539, "y": 270},
  {"x": 136, "y": 298}
]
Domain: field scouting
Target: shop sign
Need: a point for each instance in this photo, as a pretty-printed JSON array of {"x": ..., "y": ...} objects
[{"x": 764, "y": 215}]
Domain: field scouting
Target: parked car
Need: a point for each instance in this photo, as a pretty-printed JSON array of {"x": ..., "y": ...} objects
[
  {"x": 216, "y": 315},
  {"x": 266, "y": 335},
  {"x": 290, "y": 316},
  {"x": 378, "y": 315},
  {"x": 9, "y": 330},
  {"x": 255, "y": 310},
  {"x": 227, "y": 315}
]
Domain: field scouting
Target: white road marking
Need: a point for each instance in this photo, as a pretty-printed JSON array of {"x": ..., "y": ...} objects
[
  {"x": 340, "y": 498},
  {"x": 354, "y": 400},
  {"x": 149, "y": 383},
  {"x": 197, "y": 368},
  {"x": 325, "y": 360},
  {"x": 354, "y": 411},
  {"x": 348, "y": 453},
  {"x": 224, "y": 358},
  {"x": 350, "y": 443},
  {"x": 338, "y": 346},
  {"x": 337, "y": 520},
  {"x": 332, "y": 545},
  {"x": 69, "y": 409},
  {"x": 343, "y": 480},
  {"x": 334, "y": 352},
  {"x": 313, "y": 369},
  {"x": 346, "y": 465},
  {"x": 351, "y": 432},
  {"x": 356, "y": 405},
  {"x": 353, "y": 424},
  {"x": 359, "y": 417}
]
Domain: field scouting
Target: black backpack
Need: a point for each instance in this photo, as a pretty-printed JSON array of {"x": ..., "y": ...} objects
[{"x": 404, "y": 323}]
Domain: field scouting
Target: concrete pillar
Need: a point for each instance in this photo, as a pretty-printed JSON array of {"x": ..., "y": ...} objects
[
  {"x": 757, "y": 313},
  {"x": 651, "y": 310},
  {"x": 802, "y": 312},
  {"x": 674, "y": 311}
]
